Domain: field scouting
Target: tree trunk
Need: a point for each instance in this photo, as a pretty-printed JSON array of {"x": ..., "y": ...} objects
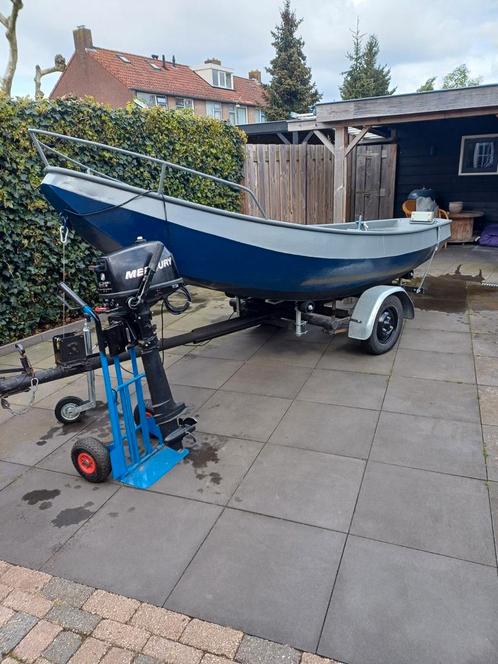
[{"x": 10, "y": 33}]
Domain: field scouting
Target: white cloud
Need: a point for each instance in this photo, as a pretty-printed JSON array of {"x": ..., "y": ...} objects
[{"x": 417, "y": 40}]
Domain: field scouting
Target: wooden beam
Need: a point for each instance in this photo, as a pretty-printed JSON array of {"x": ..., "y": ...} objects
[
  {"x": 325, "y": 140},
  {"x": 340, "y": 174},
  {"x": 356, "y": 140},
  {"x": 307, "y": 138},
  {"x": 283, "y": 138}
]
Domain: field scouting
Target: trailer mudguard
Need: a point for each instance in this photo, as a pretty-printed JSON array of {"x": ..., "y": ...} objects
[{"x": 368, "y": 305}]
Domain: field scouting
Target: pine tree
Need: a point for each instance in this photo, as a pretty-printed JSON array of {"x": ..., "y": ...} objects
[
  {"x": 365, "y": 77},
  {"x": 291, "y": 89}
]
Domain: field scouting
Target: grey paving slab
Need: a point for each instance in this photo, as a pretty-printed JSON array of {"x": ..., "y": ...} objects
[
  {"x": 70, "y": 617},
  {"x": 313, "y": 334},
  {"x": 137, "y": 545},
  {"x": 297, "y": 352},
  {"x": 434, "y": 398},
  {"x": 259, "y": 651},
  {"x": 453, "y": 367},
  {"x": 14, "y": 631},
  {"x": 35, "y": 353},
  {"x": 348, "y": 355},
  {"x": 425, "y": 510},
  {"x": 439, "y": 320},
  {"x": 488, "y": 403},
  {"x": 240, "y": 415},
  {"x": 299, "y": 485},
  {"x": 484, "y": 321},
  {"x": 393, "y": 605},
  {"x": 9, "y": 472},
  {"x": 490, "y": 436},
  {"x": 192, "y": 397},
  {"x": 345, "y": 388},
  {"x": 30, "y": 437},
  {"x": 271, "y": 379},
  {"x": 62, "y": 648},
  {"x": 493, "y": 498},
  {"x": 327, "y": 428},
  {"x": 212, "y": 470},
  {"x": 41, "y": 510},
  {"x": 268, "y": 577},
  {"x": 430, "y": 443},
  {"x": 199, "y": 371},
  {"x": 485, "y": 344},
  {"x": 487, "y": 370},
  {"x": 63, "y": 591},
  {"x": 436, "y": 340},
  {"x": 239, "y": 346}
]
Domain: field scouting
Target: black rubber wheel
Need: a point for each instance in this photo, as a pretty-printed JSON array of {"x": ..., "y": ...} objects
[
  {"x": 91, "y": 459},
  {"x": 63, "y": 413},
  {"x": 148, "y": 411},
  {"x": 387, "y": 326}
]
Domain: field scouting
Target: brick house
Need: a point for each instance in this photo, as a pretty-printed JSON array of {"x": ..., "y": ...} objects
[{"x": 116, "y": 78}]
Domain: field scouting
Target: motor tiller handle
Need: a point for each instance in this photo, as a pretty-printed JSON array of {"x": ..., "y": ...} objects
[
  {"x": 136, "y": 300},
  {"x": 76, "y": 298}
]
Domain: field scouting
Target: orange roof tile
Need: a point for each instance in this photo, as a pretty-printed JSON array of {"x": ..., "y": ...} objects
[{"x": 176, "y": 79}]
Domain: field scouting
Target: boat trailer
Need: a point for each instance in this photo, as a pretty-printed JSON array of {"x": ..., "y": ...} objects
[{"x": 147, "y": 436}]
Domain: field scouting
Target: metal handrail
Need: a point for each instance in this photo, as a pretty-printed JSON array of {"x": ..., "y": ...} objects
[{"x": 41, "y": 147}]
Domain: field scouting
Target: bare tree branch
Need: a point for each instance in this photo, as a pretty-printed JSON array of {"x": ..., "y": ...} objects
[
  {"x": 11, "y": 36},
  {"x": 59, "y": 65}
]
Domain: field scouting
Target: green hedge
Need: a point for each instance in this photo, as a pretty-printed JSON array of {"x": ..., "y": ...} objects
[{"x": 31, "y": 254}]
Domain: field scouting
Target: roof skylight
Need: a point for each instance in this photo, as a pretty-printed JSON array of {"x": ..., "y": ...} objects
[
  {"x": 155, "y": 66},
  {"x": 123, "y": 58}
]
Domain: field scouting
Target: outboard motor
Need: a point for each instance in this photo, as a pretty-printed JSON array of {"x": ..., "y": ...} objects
[{"x": 130, "y": 282}]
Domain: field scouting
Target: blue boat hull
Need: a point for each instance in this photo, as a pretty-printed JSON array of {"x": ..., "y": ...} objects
[{"x": 225, "y": 264}]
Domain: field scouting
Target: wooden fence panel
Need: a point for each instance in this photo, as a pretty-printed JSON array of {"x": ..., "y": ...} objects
[{"x": 296, "y": 182}]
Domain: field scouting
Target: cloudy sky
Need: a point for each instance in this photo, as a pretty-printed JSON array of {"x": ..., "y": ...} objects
[{"x": 418, "y": 39}]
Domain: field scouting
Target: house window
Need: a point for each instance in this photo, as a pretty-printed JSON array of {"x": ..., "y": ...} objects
[
  {"x": 183, "y": 102},
  {"x": 222, "y": 79},
  {"x": 123, "y": 58},
  {"x": 213, "y": 110},
  {"x": 151, "y": 99},
  {"x": 260, "y": 115},
  {"x": 479, "y": 155},
  {"x": 241, "y": 112}
]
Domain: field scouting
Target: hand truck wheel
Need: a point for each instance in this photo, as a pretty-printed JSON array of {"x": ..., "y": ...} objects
[
  {"x": 149, "y": 412},
  {"x": 65, "y": 410},
  {"x": 91, "y": 459}
]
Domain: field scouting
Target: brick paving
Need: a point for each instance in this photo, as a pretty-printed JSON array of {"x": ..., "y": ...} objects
[
  {"x": 138, "y": 633},
  {"x": 335, "y": 502}
]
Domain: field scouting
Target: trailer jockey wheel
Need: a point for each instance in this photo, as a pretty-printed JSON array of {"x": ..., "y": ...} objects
[
  {"x": 65, "y": 410},
  {"x": 387, "y": 326},
  {"x": 91, "y": 459}
]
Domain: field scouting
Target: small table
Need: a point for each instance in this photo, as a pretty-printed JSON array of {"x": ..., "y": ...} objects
[{"x": 462, "y": 228}]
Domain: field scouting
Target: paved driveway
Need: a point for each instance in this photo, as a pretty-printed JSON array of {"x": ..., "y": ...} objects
[{"x": 334, "y": 501}]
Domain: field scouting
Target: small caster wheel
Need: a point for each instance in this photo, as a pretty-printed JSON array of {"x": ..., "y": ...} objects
[
  {"x": 91, "y": 459},
  {"x": 65, "y": 410},
  {"x": 149, "y": 412}
]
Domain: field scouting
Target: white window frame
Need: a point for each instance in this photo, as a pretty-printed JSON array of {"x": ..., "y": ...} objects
[
  {"x": 462, "y": 147},
  {"x": 220, "y": 75},
  {"x": 260, "y": 115},
  {"x": 211, "y": 110},
  {"x": 154, "y": 96},
  {"x": 239, "y": 107},
  {"x": 190, "y": 103}
]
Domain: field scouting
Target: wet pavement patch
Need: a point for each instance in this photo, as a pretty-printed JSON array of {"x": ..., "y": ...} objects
[
  {"x": 73, "y": 515},
  {"x": 40, "y": 496}
]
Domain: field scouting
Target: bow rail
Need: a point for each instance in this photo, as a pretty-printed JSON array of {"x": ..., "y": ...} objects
[{"x": 42, "y": 148}]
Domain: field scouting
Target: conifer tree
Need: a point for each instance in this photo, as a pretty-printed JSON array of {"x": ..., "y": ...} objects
[
  {"x": 365, "y": 77},
  {"x": 291, "y": 89}
]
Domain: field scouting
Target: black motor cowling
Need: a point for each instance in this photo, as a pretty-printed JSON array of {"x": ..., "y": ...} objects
[{"x": 121, "y": 273}]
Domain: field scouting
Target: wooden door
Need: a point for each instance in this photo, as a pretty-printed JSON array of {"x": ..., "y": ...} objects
[{"x": 373, "y": 173}]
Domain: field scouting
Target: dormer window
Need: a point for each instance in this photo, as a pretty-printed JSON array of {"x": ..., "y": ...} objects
[
  {"x": 222, "y": 79},
  {"x": 123, "y": 58}
]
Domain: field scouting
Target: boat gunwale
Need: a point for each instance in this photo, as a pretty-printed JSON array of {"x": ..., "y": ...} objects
[{"x": 322, "y": 228}]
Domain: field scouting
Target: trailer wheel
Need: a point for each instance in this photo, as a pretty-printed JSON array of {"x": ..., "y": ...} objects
[
  {"x": 91, "y": 459},
  {"x": 387, "y": 326},
  {"x": 149, "y": 412},
  {"x": 64, "y": 410}
]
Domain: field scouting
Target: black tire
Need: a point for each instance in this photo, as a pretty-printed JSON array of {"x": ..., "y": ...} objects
[
  {"x": 387, "y": 326},
  {"x": 148, "y": 411},
  {"x": 62, "y": 412},
  {"x": 91, "y": 459}
]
